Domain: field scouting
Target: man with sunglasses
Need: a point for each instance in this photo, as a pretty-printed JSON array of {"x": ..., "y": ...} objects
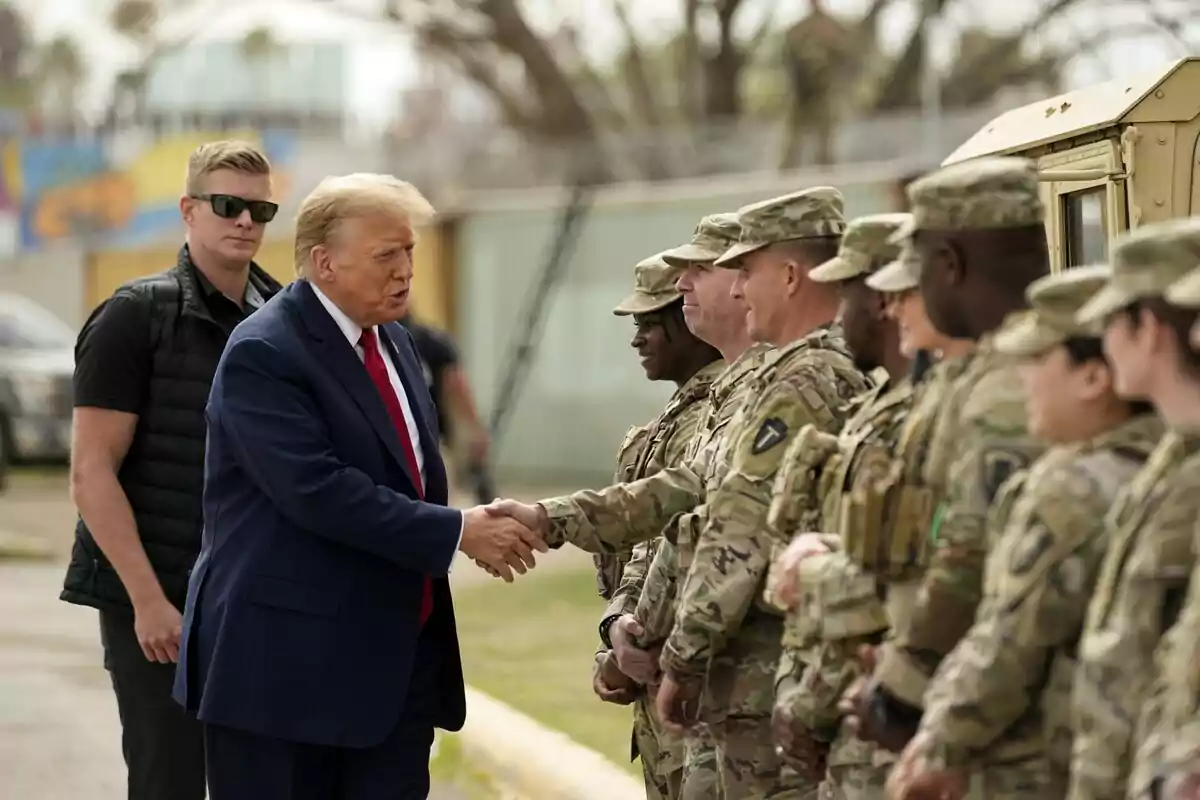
[{"x": 145, "y": 361}]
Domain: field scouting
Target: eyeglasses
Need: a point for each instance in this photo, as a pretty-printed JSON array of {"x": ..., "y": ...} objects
[{"x": 228, "y": 206}]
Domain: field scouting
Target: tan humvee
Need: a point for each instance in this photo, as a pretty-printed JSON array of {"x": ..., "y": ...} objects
[{"x": 1112, "y": 156}]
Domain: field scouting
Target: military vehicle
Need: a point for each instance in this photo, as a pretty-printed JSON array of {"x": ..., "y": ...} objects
[{"x": 1111, "y": 157}]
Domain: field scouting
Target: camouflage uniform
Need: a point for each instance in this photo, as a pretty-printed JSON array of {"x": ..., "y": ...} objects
[
  {"x": 647, "y": 449},
  {"x": 653, "y": 603},
  {"x": 1180, "y": 732},
  {"x": 998, "y": 707},
  {"x": 979, "y": 439},
  {"x": 841, "y": 608},
  {"x": 1121, "y": 712},
  {"x": 728, "y": 646}
]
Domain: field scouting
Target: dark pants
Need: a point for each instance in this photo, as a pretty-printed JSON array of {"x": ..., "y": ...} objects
[
  {"x": 246, "y": 766},
  {"x": 163, "y": 746}
]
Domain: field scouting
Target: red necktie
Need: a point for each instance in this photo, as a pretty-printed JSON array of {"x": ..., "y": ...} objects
[{"x": 373, "y": 360}]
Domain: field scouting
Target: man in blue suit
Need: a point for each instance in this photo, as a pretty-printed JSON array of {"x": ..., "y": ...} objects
[{"x": 319, "y": 646}]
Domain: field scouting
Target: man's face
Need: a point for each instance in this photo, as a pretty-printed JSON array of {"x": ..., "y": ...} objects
[
  {"x": 660, "y": 341},
  {"x": 237, "y": 240},
  {"x": 712, "y": 313},
  {"x": 366, "y": 267},
  {"x": 859, "y": 308},
  {"x": 762, "y": 283},
  {"x": 936, "y": 285}
]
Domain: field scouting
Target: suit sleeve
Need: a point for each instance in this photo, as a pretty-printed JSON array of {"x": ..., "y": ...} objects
[{"x": 279, "y": 438}]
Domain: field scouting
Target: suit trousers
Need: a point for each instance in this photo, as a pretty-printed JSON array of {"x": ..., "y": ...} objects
[
  {"x": 163, "y": 745},
  {"x": 246, "y": 766}
]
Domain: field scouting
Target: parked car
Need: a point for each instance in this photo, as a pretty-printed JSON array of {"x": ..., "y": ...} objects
[{"x": 37, "y": 358}]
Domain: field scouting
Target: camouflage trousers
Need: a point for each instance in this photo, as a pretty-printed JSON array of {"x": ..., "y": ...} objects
[
  {"x": 750, "y": 768},
  {"x": 662, "y": 754},
  {"x": 1025, "y": 780},
  {"x": 855, "y": 782},
  {"x": 674, "y": 768}
]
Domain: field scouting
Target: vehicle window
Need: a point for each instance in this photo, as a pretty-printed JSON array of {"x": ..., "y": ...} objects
[
  {"x": 1086, "y": 233},
  {"x": 25, "y": 325}
]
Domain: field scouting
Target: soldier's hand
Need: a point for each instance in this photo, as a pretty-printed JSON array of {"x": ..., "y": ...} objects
[
  {"x": 678, "y": 704},
  {"x": 609, "y": 684},
  {"x": 797, "y": 747},
  {"x": 784, "y": 576},
  {"x": 914, "y": 778},
  {"x": 640, "y": 665},
  {"x": 1182, "y": 786}
]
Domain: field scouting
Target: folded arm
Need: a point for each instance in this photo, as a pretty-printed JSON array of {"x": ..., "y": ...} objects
[
  {"x": 992, "y": 445},
  {"x": 1047, "y": 568},
  {"x": 280, "y": 440}
]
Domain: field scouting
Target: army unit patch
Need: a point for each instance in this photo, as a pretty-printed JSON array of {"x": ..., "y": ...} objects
[{"x": 772, "y": 432}]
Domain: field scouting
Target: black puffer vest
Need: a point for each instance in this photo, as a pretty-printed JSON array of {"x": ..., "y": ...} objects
[{"x": 163, "y": 473}]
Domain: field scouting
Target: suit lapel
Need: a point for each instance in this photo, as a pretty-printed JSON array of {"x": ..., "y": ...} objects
[{"x": 339, "y": 357}]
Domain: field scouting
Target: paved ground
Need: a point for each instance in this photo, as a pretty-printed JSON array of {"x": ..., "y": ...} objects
[{"x": 59, "y": 733}]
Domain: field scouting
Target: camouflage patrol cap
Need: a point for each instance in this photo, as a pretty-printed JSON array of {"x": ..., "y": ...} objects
[
  {"x": 715, "y": 234},
  {"x": 653, "y": 287},
  {"x": 1054, "y": 302},
  {"x": 865, "y": 244},
  {"x": 979, "y": 194},
  {"x": 1145, "y": 263},
  {"x": 1185, "y": 292},
  {"x": 800, "y": 215},
  {"x": 901, "y": 275}
]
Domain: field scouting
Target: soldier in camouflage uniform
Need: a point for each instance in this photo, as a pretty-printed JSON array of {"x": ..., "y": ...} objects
[
  {"x": 640, "y": 618},
  {"x": 669, "y": 351},
  {"x": 720, "y": 658},
  {"x": 976, "y": 242},
  {"x": 1144, "y": 578},
  {"x": 839, "y": 606},
  {"x": 997, "y": 714},
  {"x": 1179, "y": 773}
]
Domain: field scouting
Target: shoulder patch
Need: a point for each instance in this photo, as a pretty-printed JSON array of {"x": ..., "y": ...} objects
[{"x": 772, "y": 432}]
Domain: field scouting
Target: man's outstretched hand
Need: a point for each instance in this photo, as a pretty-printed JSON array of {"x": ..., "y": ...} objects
[
  {"x": 500, "y": 544},
  {"x": 532, "y": 516}
]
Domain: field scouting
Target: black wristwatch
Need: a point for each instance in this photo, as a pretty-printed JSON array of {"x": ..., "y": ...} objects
[{"x": 605, "y": 624}]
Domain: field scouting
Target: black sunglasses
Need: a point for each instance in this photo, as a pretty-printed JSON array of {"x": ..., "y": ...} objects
[{"x": 228, "y": 206}]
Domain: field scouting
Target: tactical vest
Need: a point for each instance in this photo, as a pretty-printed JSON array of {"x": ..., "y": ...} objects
[{"x": 163, "y": 472}]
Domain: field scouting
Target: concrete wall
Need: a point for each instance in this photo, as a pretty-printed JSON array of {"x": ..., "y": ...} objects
[{"x": 585, "y": 387}]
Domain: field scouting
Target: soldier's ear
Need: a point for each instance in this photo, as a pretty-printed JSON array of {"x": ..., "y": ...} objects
[{"x": 1095, "y": 379}]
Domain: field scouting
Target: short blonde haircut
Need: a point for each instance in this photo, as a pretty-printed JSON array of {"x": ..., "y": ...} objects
[
  {"x": 348, "y": 196},
  {"x": 230, "y": 154}
]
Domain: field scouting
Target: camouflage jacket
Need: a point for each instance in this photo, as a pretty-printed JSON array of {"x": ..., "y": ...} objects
[
  {"x": 1003, "y": 696},
  {"x": 647, "y": 449},
  {"x": 1142, "y": 587},
  {"x": 978, "y": 440},
  {"x": 841, "y": 608},
  {"x": 724, "y": 633},
  {"x": 655, "y": 607},
  {"x": 621, "y": 516}
]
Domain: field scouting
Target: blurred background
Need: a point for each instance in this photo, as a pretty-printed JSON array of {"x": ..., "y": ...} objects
[{"x": 561, "y": 140}]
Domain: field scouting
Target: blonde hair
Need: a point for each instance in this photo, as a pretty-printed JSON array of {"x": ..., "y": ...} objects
[
  {"x": 348, "y": 196},
  {"x": 230, "y": 154}
]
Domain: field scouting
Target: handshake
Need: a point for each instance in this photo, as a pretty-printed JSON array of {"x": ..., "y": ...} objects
[{"x": 501, "y": 536}]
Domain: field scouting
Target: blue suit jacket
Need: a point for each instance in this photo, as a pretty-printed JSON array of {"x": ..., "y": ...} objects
[{"x": 302, "y": 611}]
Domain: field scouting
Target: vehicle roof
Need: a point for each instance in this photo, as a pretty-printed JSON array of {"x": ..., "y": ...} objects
[{"x": 1076, "y": 113}]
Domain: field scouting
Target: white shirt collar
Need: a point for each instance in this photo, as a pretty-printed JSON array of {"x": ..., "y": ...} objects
[{"x": 350, "y": 329}]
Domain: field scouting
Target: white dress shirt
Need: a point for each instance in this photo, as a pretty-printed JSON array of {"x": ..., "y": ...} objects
[{"x": 353, "y": 333}]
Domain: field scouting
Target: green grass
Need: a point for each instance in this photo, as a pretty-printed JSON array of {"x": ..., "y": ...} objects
[{"x": 529, "y": 644}]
